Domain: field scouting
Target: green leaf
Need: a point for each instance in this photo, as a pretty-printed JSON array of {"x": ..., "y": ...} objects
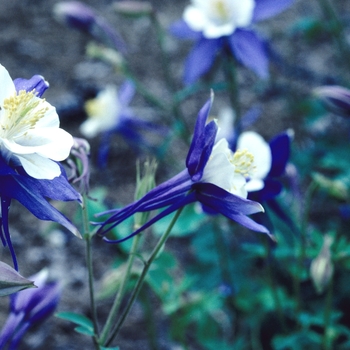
[
  {"x": 81, "y": 320},
  {"x": 85, "y": 331},
  {"x": 115, "y": 348}
]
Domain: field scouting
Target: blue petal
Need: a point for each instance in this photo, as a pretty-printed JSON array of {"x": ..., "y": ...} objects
[
  {"x": 272, "y": 188},
  {"x": 126, "y": 93},
  {"x": 177, "y": 205},
  {"x": 280, "y": 151},
  {"x": 229, "y": 205},
  {"x": 165, "y": 194},
  {"x": 37, "y": 82},
  {"x": 5, "y": 205},
  {"x": 248, "y": 48},
  {"x": 268, "y": 8},
  {"x": 202, "y": 143},
  {"x": 181, "y": 30},
  {"x": 32, "y": 194},
  {"x": 200, "y": 59}
]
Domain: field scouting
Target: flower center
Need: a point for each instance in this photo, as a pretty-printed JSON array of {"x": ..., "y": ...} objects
[
  {"x": 220, "y": 11},
  {"x": 243, "y": 162},
  {"x": 22, "y": 112}
]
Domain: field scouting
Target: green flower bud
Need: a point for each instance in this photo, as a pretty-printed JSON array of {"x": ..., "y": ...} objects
[{"x": 321, "y": 269}]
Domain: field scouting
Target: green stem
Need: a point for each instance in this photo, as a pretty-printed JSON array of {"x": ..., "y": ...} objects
[
  {"x": 301, "y": 255},
  {"x": 87, "y": 237},
  {"x": 273, "y": 287},
  {"x": 142, "y": 277},
  {"x": 326, "y": 343},
  {"x": 230, "y": 70},
  {"x": 117, "y": 301}
]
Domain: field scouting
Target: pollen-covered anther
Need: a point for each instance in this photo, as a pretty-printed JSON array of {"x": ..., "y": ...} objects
[
  {"x": 243, "y": 162},
  {"x": 22, "y": 110}
]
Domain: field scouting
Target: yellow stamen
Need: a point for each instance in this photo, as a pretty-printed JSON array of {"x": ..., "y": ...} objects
[
  {"x": 21, "y": 112},
  {"x": 243, "y": 162}
]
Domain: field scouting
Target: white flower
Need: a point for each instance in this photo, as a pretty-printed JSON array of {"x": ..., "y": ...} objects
[
  {"x": 103, "y": 112},
  {"x": 260, "y": 149},
  {"x": 228, "y": 170},
  {"x": 216, "y": 18},
  {"x": 29, "y": 131}
]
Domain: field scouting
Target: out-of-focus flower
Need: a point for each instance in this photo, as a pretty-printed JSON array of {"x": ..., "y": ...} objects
[
  {"x": 79, "y": 164},
  {"x": 29, "y": 134},
  {"x": 30, "y": 144},
  {"x": 321, "y": 269},
  {"x": 109, "y": 113},
  {"x": 11, "y": 281},
  {"x": 80, "y": 16},
  {"x": 217, "y": 24},
  {"x": 28, "y": 308},
  {"x": 214, "y": 176},
  {"x": 335, "y": 98}
]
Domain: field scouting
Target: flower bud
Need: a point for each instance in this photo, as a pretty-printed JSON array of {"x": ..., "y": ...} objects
[
  {"x": 133, "y": 8},
  {"x": 335, "y": 188},
  {"x": 336, "y": 99},
  {"x": 11, "y": 281},
  {"x": 321, "y": 269},
  {"x": 75, "y": 14},
  {"x": 144, "y": 183}
]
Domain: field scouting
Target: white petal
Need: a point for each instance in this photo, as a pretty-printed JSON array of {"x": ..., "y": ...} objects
[
  {"x": 39, "y": 167},
  {"x": 261, "y": 151},
  {"x": 90, "y": 128},
  {"x": 47, "y": 142},
  {"x": 7, "y": 87},
  {"x": 254, "y": 185},
  {"x": 194, "y": 18},
  {"x": 50, "y": 119}
]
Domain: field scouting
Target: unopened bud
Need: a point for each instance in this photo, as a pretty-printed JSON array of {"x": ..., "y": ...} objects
[
  {"x": 11, "y": 281},
  {"x": 335, "y": 98},
  {"x": 133, "y": 8},
  {"x": 144, "y": 183},
  {"x": 335, "y": 188},
  {"x": 321, "y": 269},
  {"x": 75, "y": 14},
  {"x": 108, "y": 55}
]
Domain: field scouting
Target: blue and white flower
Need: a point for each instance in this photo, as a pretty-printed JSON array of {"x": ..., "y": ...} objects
[
  {"x": 220, "y": 24},
  {"x": 214, "y": 176},
  {"x": 31, "y": 143}
]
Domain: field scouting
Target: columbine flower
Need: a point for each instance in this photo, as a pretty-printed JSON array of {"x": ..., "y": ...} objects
[
  {"x": 216, "y": 24},
  {"x": 109, "y": 113},
  {"x": 30, "y": 144},
  {"x": 28, "y": 308},
  {"x": 29, "y": 130},
  {"x": 80, "y": 16},
  {"x": 215, "y": 177}
]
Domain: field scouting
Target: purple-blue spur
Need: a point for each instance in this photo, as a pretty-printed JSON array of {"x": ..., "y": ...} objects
[
  {"x": 214, "y": 176},
  {"x": 218, "y": 25},
  {"x": 31, "y": 145}
]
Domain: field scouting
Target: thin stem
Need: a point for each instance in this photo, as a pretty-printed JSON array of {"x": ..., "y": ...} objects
[
  {"x": 230, "y": 70},
  {"x": 273, "y": 287},
  {"x": 87, "y": 237},
  {"x": 117, "y": 301},
  {"x": 302, "y": 252},
  {"x": 141, "y": 279},
  {"x": 326, "y": 344}
]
